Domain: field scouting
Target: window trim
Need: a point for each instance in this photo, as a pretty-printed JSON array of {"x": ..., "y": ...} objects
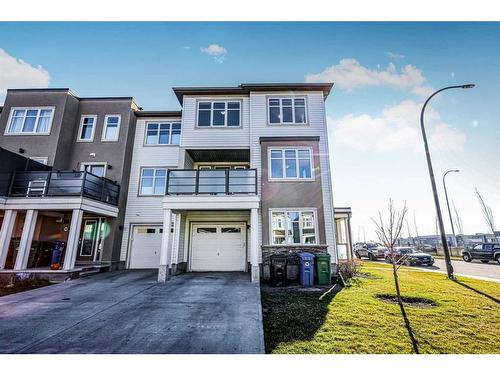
[
  {"x": 211, "y": 126},
  {"x": 91, "y": 139},
  {"x": 300, "y": 211},
  {"x": 144, "y": 142},
  {"x": 281, "y": 123},
  {"x": 11, "y": 114},
  {"x": 105, "y": 128},
  {"x": 83, "y": 164},
  {"x": 284, "y": 178},
  {"x": 139, "y": 194}
]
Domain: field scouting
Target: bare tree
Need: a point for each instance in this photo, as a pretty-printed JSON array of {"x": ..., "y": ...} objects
[
  {"x": 487, "y": 213},
  {"x": 410, "y": 238},
  {"x": 415, "y": 225},
  {"x": 458, "y": 220},
  {"x": 388, "y": 231}
]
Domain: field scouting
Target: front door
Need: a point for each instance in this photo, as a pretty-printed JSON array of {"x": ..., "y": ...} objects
[{"x": 91, "y": 240}]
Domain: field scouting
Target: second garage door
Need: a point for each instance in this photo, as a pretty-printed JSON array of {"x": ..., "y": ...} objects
[
  {"x": 146, "y": 246},
  {"x": 218, "y": 247}
]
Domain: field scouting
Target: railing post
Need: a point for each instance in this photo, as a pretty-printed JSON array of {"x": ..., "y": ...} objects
[
  {"x": 46, "y": 190},
  {"x": 84, "y": 178},
  {"x": 168, "y": 179},
  {"x": 11, "y": 182},
  {"x": 227, "y": 181},
  {"x": 255, "y": 173},
  {"x": 197, "y": 182}
]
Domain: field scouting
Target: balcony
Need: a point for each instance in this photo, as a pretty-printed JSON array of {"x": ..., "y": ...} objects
[
  {"x": 61, "y": 184},
  {"x": 211, "y": 182}
]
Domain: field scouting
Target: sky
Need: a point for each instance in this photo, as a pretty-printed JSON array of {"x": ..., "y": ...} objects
[{"x": 382, "y": 73}]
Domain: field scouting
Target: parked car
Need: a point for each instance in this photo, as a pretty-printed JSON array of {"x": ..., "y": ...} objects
[
  {"x": 484, "y": 252},
  {"x": 426, "y": 248},
  {"x": 370, "y": 250},
  {"x": 409, "y": 256}
]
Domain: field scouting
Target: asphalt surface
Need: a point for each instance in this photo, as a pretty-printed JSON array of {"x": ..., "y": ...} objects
[
  {"x": 129, "y": 312},
  {"x": 475, "y": 268}
]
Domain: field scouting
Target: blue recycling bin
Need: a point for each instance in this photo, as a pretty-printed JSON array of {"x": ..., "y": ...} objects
[{"x": 306, "y": 267}]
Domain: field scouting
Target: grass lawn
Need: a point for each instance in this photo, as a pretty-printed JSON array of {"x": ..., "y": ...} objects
[
  {"x": 465, "y": 320},
  {"x": 21, "y": 286}
]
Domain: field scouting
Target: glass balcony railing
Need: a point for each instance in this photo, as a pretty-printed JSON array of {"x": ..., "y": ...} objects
[{"x": 211, "y": 181}]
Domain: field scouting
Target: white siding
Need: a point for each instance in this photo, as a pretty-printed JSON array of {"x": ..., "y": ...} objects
[
  {"x": 193, "y": 137},
  {"x": 147, "y": 210}
]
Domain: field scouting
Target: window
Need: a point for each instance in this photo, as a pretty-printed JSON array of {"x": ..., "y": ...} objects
[
  {"x": 287, "y": 110},
  {"x": 290, "y": 164},
  {"x": 219, "y": 114},
  {"x": 98, "y": 169},
  {"x": 30, "y": 121},
  {"x": 230, "y": 230},
  {"x": 293, "y": 228},
  {"x": 206, "y": 230},
  {"x": 163, "y": 133},
  {"x": 41, "y": 160},
  {"x": 111, "y": 129},
  {"x": 153, "y": 181},
  {"x": 87, "y": 128}
]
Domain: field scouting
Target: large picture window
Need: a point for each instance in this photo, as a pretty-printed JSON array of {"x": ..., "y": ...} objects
[
  {"x": 290, "y": 164},
  {"x": 30, "y": 121},
  {"x": 163, "y": 133},
  {"x": 293, "y": 228},
  {"x": 219, "y": 114},
  {"x": 153, "y": 181},
  {"x": 286, "y": 111}
]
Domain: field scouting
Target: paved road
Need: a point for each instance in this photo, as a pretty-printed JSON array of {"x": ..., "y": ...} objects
[
  {"x": 475, "y": 268},
  {"x": 129, "y": 312}
]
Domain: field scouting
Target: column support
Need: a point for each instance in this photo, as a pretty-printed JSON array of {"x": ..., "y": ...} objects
[
  {"x": 26, "y": 239},
  {"x": 254, "y": 245},
  {"x": 165, "y": 252},
  {"x": 73, "y": 237},
  {"x": 9, "y": 220}
]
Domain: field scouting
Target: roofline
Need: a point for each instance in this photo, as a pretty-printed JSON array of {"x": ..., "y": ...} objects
[
  {"x": 246, "y": 88},
  {"x": 158, "y": 114}
]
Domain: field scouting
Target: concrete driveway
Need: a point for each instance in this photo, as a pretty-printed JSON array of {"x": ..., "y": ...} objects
[{"x": 128, "y": 312}]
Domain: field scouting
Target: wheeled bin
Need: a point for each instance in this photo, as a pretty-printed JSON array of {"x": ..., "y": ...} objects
[
  {"x": 306, "y": 269},
  {"x": 278, "y": 270},
  {"x": 292, "y": 268},
  {"x": 323, "y": 269}
]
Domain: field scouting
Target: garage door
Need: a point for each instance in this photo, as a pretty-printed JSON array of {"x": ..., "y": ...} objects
[
  {"x": 218, "y": 247},
  {"x": 146, "y": 245}
]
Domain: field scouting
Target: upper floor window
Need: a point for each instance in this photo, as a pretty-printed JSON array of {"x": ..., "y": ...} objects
[
  {"x": 30, "y": 121},
  {"x": 163, "y": 133},
  {"x": 287, "y": 110},
  {"x": 40, "y": 159},
  {"x": 290, "y": 163},
  {"x": 219, "y": 114},
  {"x": 111, "y": 128},
  {"x": 87, "y": 128},
  {"x": 293, "y": 227},
  {"x": 153, "y": 181}
]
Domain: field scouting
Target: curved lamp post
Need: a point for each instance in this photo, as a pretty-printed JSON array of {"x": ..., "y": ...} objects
[
  {"x": 448, "y": 204},
  {"x": 449, "y": 268}
]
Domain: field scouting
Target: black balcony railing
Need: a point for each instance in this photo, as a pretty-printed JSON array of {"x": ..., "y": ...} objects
[
  {"x": 62, "y": 184},
  {"x": 211, "y": 181}
]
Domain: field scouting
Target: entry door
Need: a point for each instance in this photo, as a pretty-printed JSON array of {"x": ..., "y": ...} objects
[
  {"x": 218, "y": 247},
  {"x": 96, "y": 169},
  {"x": 89, "y": 238}
]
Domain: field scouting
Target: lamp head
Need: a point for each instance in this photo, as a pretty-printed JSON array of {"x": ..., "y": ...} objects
[{"x": 469, "y": 86}]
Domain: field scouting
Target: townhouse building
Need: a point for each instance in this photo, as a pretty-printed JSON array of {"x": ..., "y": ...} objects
[{"x": 238, "y": 174}]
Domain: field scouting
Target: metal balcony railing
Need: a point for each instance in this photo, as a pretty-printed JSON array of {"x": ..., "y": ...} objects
[
  {"x": 211, "y": 181},
  {"x": 63, "y": 184}
]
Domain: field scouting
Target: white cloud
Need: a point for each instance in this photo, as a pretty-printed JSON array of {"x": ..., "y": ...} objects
[
  {"x": 349, "y": 74},
  {"x": 396, "y": 128},
  {"x": 16, "y": 73},
  {"x": 394, "y": 55},
  {"x": 216, "y": 51}
]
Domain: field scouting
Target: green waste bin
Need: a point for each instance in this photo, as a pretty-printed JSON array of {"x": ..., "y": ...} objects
[{"x": 323, "y": 269}]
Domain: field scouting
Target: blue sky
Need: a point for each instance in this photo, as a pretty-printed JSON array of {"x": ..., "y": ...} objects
[{"x": 373, "y": 109}]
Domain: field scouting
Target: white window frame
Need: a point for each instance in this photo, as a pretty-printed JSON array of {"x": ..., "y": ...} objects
[
  {"x": 103, "y": 163},
  {"x": 105, "y": 128},
  {"x": 281, "y": 123},
  {"x": 301, "y": 226},
  {"x": 79, "y": 137},
  {"x": 212, "y": 101},
  {"x": 40, "y": 159},
  {"x": 158, "y": 144},
  {"x": 139, "y": 192},
  {"x": 39, "y": 109},
  {"x": 296, "y": 149}
]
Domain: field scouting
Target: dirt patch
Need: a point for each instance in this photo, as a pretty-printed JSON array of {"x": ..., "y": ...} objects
[
  {"x": 366, "y": 275},
  {"x": 416, "y": 302},
  {"x": 22, "y": 286},
  {"x": 297, "y": 288}
]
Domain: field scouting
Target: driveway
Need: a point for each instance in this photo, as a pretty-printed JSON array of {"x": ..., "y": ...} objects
[{"x": 129, "y": 312}]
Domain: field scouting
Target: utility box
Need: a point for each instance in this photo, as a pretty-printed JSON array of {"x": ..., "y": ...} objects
[
  {"x": 323, "y": 269},
  {"x": 278, "y": 270},
  {"x": 306, "y": 268},
  {"x": 292, "y": 267}
]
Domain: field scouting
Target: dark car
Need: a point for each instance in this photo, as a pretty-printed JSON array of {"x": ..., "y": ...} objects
[
  {"x": 370, "y": 250},
  {"x": 426, "y": 248},
  {"x": 484, "y": 252},
  {"x": 409, "y": 257}
]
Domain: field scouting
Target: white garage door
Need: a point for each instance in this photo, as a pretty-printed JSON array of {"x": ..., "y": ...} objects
[
  {"x": 146, "y": 245},
  {"x": 218, "y": 247}
]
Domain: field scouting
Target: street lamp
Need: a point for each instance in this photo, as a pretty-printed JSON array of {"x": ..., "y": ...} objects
[
  {"x": 449, "y": 268},
  {"x": 448, "y": 204}
]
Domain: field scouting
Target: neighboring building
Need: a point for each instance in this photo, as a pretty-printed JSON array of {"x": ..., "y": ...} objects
[
  {"x": 239, "y": 174},
  {"x": 87, "y": 143}
]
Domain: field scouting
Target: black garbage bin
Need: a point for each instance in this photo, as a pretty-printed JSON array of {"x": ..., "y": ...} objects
[
  {"x": 292, "y": 268},
  {"x": 278, "y": 270}
]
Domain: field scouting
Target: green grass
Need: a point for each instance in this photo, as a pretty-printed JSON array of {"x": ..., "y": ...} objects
[{"x": 465, "y": 320}]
